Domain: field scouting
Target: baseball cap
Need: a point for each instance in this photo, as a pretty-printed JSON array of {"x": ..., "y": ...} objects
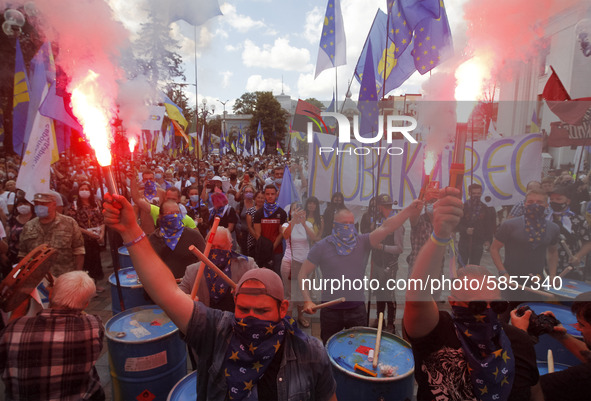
[
  {"x": 44, "y": 198},
  {"x": 216, "y": 178},
  {"x": 270, "y": 279},
  {"x": 384, "y": 199}
]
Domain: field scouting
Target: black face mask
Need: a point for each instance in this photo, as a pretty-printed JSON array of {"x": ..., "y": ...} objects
[
  {"x": 558, "y": 207},
  {"x": 233, "y": 177}
]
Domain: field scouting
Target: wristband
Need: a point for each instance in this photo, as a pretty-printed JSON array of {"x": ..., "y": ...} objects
[
  {"x": 502, "y": 272},
  {"x": 440, "y": 241},
  {"x": 135, "y": 241}
]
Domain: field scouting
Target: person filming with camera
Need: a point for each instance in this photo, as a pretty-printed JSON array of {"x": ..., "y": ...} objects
[{"x": 571, "y": 383}]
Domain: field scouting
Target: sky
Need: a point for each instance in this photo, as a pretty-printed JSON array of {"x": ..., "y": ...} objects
[{"x": 265, "y": 45}]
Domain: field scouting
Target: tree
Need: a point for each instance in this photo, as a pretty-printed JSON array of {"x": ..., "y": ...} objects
[
  {"x": 156, "y": 55},
  {"x": 246, "y": 103},
  {"x": 272, "y": 117},
  {"x": 315, "y": 102}
]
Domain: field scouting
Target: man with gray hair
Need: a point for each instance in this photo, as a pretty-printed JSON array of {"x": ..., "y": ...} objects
[{"x": 52, "y": 356}]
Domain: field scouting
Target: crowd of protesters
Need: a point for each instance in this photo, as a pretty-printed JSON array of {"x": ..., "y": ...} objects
[{"x": 176, "y": 200}]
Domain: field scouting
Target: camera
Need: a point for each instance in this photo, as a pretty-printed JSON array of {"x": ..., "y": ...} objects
[{"x": 538, "y": 324}]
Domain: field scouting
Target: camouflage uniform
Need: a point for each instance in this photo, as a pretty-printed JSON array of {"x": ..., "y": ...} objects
[{"x": 62, "y": 233}]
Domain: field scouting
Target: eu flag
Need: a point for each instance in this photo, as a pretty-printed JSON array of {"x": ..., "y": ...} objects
[
  {"x": 20, "y": 102},
  {"x": 400, "y": 33},
  {"x": 368, "y": 99},
  {"x": 395, "y": 70},
  {"x": 332, "y": 51},
  {"x": 432, "y": 41}
]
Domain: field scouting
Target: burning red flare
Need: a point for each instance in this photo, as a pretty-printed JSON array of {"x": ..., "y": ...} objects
[
  {"x": 132, "y": 143},
  {"x": 471, "y": 77},
  {"x": 89, "y": 104},
  {"x": 429, "y": 162}
]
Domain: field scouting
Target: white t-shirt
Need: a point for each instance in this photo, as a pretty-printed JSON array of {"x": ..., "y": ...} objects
[{"x": 298, "y": 243}]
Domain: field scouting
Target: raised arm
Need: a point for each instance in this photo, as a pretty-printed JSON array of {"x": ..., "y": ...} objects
[
  {"x": 420, "y": 311},
  {"x": 392, "y": 223},
  {"x": 156, "y": 277},
  {"x": 139, "y": 200}
]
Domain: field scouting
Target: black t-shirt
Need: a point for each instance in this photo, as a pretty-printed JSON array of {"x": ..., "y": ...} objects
[
  {"x": 570, "y": 384},
  {"x": 441, "y": 370},
  {"x": 178, "y": 260},
  {"x": 229, "y": 216}
]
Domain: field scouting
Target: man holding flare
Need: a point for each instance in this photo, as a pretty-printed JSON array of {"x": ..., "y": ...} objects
[{"x": 255, "y": 353}]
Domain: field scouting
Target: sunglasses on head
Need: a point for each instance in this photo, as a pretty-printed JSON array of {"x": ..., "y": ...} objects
[{"x": 478, "y": 307}]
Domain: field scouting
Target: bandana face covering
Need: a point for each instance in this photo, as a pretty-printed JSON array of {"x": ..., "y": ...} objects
[
  {"x": 149, "y": 190},
  {"x": 270, "y": 208},
  {"x": 171, "y": 228},
  {"x": 217, "y": 286},
  {"x": 253, "y": 346},
  {"x": 488, "y": 352},
  {"x": 344, "y": 237},
  {"x": 535, "y": 223}
]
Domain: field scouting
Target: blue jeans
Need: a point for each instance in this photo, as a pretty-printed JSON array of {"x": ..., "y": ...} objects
[{"x": 334, "y": 320}]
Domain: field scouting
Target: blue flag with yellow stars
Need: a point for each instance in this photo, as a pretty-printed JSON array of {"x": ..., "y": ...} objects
[
  {"x": 368, "y": 99},
  {"x": 332, "y": 51},
  {"x": 400, "y": 33},
  {"x": 432, "y": 41},
  {"x": 252, "y": 348},
  {"x": 344, "y": 237}
]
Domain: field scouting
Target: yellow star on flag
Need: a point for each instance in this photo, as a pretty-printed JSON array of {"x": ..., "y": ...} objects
[
  {"x": 496, "y": 372},
  {"x": 505, "y": 356},
  {"x": 24, "y": 163},
  {"x": 241, "y": 323},
  {"x": 483, "y": 390},
  {"x": 257, "y": 366},
  {"x": 504, "y": 381},
  {"x": 480, "y": 318},
  {"x": 498, "y": 352},
  {"x": 226, "y": 373},
  {"x": 234, "y": 356},
  {"x": 252, "y": 348},
  {"x": 277, "y": 346},
  {"x": 28, "y": 152},
  {"x": 270, "y": 329},
  {"x": 248, "y": 385},
  {"x": 467, "y": 333}
]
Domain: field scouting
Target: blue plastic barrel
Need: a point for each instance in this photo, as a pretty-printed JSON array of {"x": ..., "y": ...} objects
[
  {"x": 184, "y": 390},
  {"x": 124, "y": 258},
  {"x": 559, "y": 352},
  {"x": 146, "y": 354},
  {"x": 350, "y": 347},
  {"x": 132, "y": 291},
  {"x": 543, "y": 367},
  {"x": 570, "y": 289}
]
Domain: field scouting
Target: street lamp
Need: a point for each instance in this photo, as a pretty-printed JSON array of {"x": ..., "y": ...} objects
[
  {"x": 205, "y": 112},
  {"x": 224, "y": 115}
]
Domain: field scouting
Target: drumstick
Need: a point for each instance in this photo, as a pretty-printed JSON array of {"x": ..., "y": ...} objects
[
  {"x": 566, "y": 271},
  {"x": 376, "y": 354},
  {"x": 550, "y": 361},
  {"x": 542, "y": 293},
  {"x": 329, "y": 303},
  {"x": 213, "y": 267},
  {"x": 214, "y": 228}
]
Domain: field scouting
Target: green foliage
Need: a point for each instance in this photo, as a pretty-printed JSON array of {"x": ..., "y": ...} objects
[
  {"x": 246, "y": 103},
  {"x": 315, "y": 102},
  {"x": 272, "y": 117}
]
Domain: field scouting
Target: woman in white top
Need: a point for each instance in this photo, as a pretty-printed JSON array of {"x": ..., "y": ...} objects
[{"x": 297, "y": 233}]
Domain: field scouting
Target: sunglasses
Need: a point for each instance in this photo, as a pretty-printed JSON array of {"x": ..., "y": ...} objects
[{"x": 478, "y": 307}]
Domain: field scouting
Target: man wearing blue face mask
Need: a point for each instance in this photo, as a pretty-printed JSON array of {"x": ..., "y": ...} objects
[
  {"x": 342, "y": 258},
  {"x": 172, "y": 240},
  {"x": 468, "y": 354},
  {"x": 255, "y": 353},
  {"x": 530, "y": 241},
  {"x": 58, "y": 231}
]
